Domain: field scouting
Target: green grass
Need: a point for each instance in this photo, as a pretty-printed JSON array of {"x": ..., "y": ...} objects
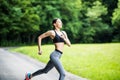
[{"x": 92, "y": 61}]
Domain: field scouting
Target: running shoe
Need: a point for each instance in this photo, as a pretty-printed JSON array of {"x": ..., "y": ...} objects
[{"x": 27, "y": 76}]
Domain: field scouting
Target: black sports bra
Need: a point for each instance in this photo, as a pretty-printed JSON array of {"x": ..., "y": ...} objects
[{"x": 57, "y": 38}]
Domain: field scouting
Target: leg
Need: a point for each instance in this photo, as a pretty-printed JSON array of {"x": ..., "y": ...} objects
[
  {"x": 48, "y": 67},
  {"x": 59, "y": 67}
]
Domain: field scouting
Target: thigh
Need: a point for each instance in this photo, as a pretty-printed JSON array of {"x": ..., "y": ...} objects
[
  {"x": 58, "y": 65},
  {"x": 49, "y": 66}
]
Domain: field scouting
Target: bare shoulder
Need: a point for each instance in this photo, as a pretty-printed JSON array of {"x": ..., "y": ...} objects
[{"x": 51, "y": 31}]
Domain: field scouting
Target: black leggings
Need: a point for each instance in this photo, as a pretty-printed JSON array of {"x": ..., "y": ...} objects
[{"x": 53, "y": 62}]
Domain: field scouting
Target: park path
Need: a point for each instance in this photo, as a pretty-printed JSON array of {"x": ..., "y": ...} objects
[{"x": 13, "y": 66}]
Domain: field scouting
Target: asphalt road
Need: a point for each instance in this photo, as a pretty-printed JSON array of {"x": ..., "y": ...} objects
[{"x": 14, "y": 66}]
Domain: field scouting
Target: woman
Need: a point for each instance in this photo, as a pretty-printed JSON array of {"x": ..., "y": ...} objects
[{"x": 58, "y": 37}]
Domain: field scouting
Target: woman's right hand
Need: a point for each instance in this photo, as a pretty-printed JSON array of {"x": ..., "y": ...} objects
[{"x": 40, "y": 52}]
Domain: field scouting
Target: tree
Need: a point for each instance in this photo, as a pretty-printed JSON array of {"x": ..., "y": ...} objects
[
  {"x": 94, "y": 27},
  {"x": 116, "y": 23},
  {"x": 18, "y": 19},
  {"x": 85, "y": 21}
]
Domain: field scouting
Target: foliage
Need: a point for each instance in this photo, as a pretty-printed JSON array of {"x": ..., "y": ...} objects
[
  {"x": 18, "y": 20},
  {"x": 85, "y": 21},
  {"x": 116, "y": 22}
]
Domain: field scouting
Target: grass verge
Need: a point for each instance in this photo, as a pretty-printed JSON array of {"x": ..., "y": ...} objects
[{"x": 92, "y": 61}]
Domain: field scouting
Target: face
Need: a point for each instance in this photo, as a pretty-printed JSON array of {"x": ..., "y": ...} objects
[{"x": 58, "y": 23}]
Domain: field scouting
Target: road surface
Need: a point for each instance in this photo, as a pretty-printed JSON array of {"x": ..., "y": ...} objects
[{"x": 13, "y": 66}]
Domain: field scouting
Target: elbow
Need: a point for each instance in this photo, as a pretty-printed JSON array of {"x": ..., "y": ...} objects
[{"x": 39, "y": 38}]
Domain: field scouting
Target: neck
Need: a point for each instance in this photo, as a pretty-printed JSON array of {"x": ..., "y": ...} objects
[{"x": 57, "y": 29}]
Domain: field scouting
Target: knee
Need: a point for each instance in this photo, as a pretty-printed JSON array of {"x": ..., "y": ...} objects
[
  {"x": 63, "y": 74},
  {"x": 45, "y": 71}
]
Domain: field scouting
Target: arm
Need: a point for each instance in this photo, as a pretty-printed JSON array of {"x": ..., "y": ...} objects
[
  {"x": 65, "y": 37},
  {"x": 46, "y": 34}
]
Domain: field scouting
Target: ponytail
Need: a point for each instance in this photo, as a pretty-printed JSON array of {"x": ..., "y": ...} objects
[{"x": 54, "y": 21}]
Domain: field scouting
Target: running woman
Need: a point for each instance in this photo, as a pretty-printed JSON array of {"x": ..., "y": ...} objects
[{"x": 59, "y": 39}]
